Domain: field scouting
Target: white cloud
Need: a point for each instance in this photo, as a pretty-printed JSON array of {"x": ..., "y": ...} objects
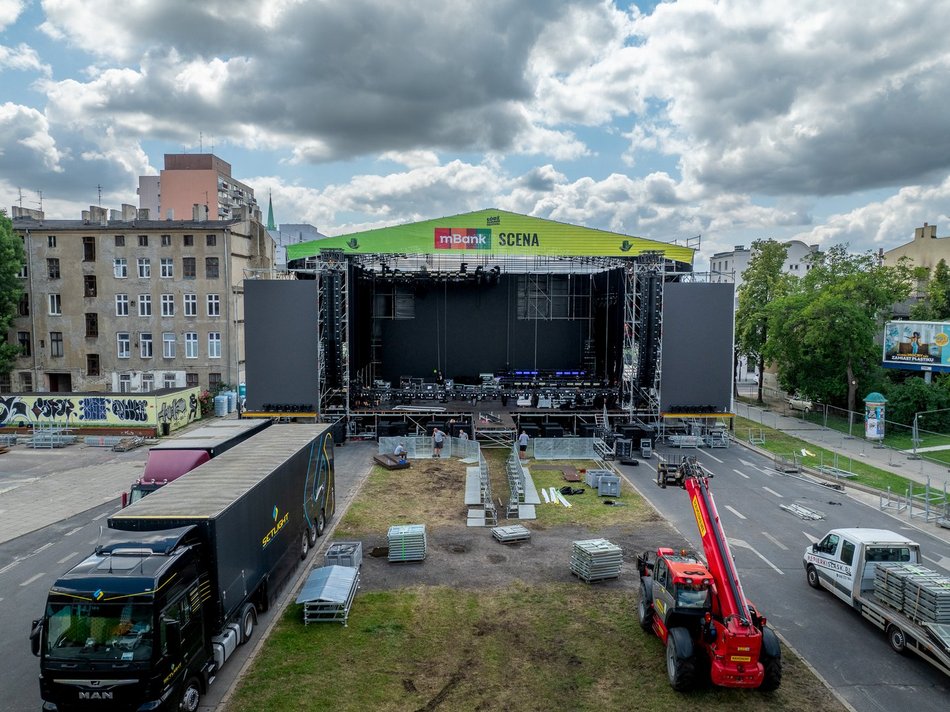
[
  {"x": 9, "y": 12},
  {"x": 25, "y": 141},
  {"x": 22, "y": 57}
]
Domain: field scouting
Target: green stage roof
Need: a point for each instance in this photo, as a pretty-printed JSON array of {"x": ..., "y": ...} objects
[{"x": 491, "y": 233}]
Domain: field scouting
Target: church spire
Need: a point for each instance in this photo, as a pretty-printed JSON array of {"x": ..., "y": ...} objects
[{"x": 270, "y": 213}]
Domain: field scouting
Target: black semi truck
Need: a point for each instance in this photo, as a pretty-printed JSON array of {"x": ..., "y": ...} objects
[{"x": 176, "y": 582}]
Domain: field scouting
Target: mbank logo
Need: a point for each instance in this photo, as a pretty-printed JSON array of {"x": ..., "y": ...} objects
[{"x": 462, "y": 238}]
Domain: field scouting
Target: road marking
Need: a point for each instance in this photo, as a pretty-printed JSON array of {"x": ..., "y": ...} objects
[
  {"x": 812, "y": 539},
  {"x": 73, "y": 531},
  {"x": 735, "y": 512},
  {"x": 741, "y": 474},
  {"x": 772, "y": 491},
  {"x": 746, "y": 545},
  {"x": 67, "y": 557},
  {"x": 45, "y": 546},
  {"x": 768, "y": 536},
  {"x": 32, "y": 579},
  {"x": 104, "y": 514},
  {"x": 9, "y": 566},
  {"x": 713, "y": 457}
]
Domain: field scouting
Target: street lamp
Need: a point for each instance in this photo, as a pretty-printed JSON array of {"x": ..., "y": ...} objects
[{"x": 915, "y": 431}]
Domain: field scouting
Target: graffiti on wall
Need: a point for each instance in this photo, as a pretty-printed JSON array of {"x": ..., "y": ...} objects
[{"x": 176, "y": 409}]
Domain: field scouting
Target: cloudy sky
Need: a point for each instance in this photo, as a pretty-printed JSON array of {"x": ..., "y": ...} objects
[{"x": 823, "y": 121}]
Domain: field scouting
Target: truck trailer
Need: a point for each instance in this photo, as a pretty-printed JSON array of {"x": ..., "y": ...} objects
[
  {"x": 847, "y": 562},
  {"x": 175, "y": 585},
  {"x": 172, "y": 458}
]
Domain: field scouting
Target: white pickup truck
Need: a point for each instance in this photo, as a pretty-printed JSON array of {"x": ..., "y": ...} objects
[{"x": 846, "y": 562}]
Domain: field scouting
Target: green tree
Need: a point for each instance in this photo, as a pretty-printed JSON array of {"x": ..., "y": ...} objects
[
  {"x": 762, "y": 282},
  {"x": 11, "y": 289},
  {"x": 822, "y": 332},
  {"x": 935, "y": 306}
]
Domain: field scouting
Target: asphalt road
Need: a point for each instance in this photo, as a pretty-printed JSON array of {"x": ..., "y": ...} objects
[
  {"x": 31, "y": 563},
  {"x": 767, "y": 544}
]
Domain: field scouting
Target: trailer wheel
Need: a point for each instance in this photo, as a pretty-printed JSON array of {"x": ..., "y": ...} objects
[
  {"x": 304, "y": 545},
  {"x": 645, "y": 609},
  {"x": 897, "y": 639},
  {"x": 811, "y": 575},
  {"x": 248, "y": 621},
  {"x": 190, "y": 696},
  {"x": 321, "y": 522},
  {"x": 312, "y": 536},
  {"x": 680, "y": 660}
]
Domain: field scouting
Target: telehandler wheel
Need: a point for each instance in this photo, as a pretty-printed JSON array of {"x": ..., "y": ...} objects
[
  {"x": 680, "y": 660},
  {"x": 770, "y": 656},
  {"x": 896, "y": 639},
  {"x": 645, "y": 609},
  {"x": 811, "y": 575}
]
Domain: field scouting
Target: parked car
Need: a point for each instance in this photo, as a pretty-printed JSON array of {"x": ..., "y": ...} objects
[{"x": 800, "y": 402}]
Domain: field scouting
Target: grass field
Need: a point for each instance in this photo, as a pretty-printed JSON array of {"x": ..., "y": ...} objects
[{"x": 525, "y": 645}]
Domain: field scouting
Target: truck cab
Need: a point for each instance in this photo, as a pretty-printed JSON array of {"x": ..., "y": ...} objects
[{"x": 844, "y": 560}]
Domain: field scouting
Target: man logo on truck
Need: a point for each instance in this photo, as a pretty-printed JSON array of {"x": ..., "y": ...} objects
[{"x": 279, "y": 524}]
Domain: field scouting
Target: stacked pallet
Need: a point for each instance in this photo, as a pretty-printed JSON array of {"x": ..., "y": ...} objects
[
  {"x": 407, "y": 542},
  {"x": 596, "y": 560},
  {"x": 916, "y": 591},
  {"x": 511, "y": 534}
]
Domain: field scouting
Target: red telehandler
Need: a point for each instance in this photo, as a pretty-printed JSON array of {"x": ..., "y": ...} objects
[{"x": 699, "y": 611}]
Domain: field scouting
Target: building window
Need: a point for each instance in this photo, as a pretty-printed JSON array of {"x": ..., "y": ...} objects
[
  {"x": 214, "y": 305},
  {"x": 145, "y": 305},
  {"x": 125, "y": 383},
  {"x": 191, "y": 305},
  {"x": 6, "y": 385},
  {"x": 168, "y": 305},
  {"x": 169, "y": 380},
  {"x": 168, "y": 344},
  {"x": 214, "y": 382},
  {"x": 188, "y": 270},
  {"x": 92, "y": 325},
  {"x": 26, "y": 381},
  {"x": 145, "y": 345},
  {"x": 148, "y": 382},
  {"x": 123, "y": 345},
  {"x": 191, "y": 380},
  {"x": 211, "y": 240},
  {"x": 121, "y": 304},
  {"x": 23, "y": 338},
  {"x": 167, "y": 267},
  {"x": 214, "y": 344},
  {"x": 211, "y": 267},
  {"x": 55, "y": 305},
  {"x": 166, "y": 240},
  {"x": 120, "y": 240},
  {"x": 52, "y": 267},
  {"x": 24, "y": 272},
  {"x": 143, "y": 240},
  {"x": 145, "y": 267},
  {"x": 191, "y": 344},
  {"x": 92, "y": 365},
  {"x": 56, "y": 343},
  {"x": 89, "y": 249},
  {"x": 120, "y": 268},
  {"x": 51, "y": 240},
  {"x": 188, "y": 240},
  {"x": 89, "y": 285}
]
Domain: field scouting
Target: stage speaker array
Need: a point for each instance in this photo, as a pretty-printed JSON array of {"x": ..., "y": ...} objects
[
  {"x": 334, "y": 324},
  {"x": 650, "y": 297}
]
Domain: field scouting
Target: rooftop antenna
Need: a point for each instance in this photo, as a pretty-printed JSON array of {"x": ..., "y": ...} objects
[
  {"x": 20, "y": 199},
  {"x": 201, "y": 143},
  {"x": 212, "y": 143},
  {"x": 99, "y": 189},
  {"x": 40, "y": 201}
]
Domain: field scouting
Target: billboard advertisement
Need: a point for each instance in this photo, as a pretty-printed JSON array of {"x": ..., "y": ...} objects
[{"x": 917, "y": 345}]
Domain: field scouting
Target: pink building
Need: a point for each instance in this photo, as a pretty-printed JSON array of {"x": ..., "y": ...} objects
[{"x": 196, "y": 186}]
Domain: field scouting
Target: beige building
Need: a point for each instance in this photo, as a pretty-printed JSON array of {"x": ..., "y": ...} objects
[
  {"x": 116, "y": 302},
  {"x": 926, "y": 249},
  {"x": 191, "y": 180}
]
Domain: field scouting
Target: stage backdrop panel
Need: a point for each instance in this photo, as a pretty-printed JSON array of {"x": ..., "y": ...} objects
[
  {"x": 280, "y": 326},
  {"x": 697, "y": 350}
]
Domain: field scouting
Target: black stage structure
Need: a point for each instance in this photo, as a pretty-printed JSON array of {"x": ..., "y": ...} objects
[{"x": 492, "y": 342}]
